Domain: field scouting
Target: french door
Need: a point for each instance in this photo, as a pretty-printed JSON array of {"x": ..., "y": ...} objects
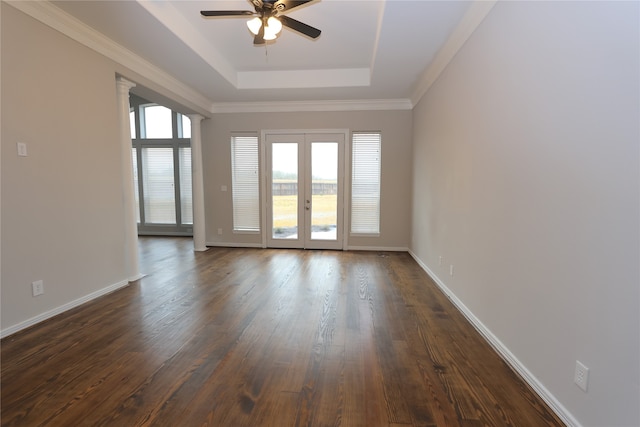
[{"x": 305, "y": 175}]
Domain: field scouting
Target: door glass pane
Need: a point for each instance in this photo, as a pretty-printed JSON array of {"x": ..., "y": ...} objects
[
  {"x": 186, "y": 195},
  {"x": 285, "y": 190},
  {"x": 324, "y": 190},
  {"x": 158, "y": 187}
]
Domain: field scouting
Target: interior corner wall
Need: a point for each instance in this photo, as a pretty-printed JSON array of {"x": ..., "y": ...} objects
[
  {"x": 526, "y": 180},
  {"x": 395, "y": 175},
  {"x": 62, "y": 208}
]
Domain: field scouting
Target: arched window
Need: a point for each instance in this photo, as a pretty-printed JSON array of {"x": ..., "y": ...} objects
[{"x": 162, "y": 169}]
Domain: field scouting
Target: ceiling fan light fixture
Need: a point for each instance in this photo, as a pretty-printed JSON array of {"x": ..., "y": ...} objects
[
  {"x": 269, "y": 36},
  {"x": 254, "y": 25},
  {"x": 273, "y": 25},
  {"x": 271, "y": 30}
]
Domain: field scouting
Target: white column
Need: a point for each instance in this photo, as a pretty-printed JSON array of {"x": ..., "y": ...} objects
[
  {"x": 128, "y": 195},
  {"x": 197, "y": 184}
]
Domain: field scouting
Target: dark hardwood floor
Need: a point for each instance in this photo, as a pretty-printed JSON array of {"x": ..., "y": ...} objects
[{"x": 250, "y": 337}]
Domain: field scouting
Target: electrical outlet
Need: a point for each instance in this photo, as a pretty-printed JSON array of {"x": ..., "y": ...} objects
[
  {"x": 581, "y": 376},
  {"x": 440, "y": 260},
  {"x": 37, "y": 288},
  {"x": 451, "y": 270},
  {"x": 219, "y": 231}
]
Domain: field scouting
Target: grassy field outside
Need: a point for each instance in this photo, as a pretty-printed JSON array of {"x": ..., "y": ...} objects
[{"x": 285, "y": 210}]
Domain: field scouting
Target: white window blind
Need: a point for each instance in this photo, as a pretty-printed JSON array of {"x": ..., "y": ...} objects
[
  {"x": 245, "y": 183},
  {"x": 365, "y": 183},
  {"x": 186, "y": 193},
  {"x": 134, "y": 160},
  {"x": 158, "y": 185}
]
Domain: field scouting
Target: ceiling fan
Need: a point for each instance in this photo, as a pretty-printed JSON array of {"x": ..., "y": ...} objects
[{"x": 269, "y": 19}]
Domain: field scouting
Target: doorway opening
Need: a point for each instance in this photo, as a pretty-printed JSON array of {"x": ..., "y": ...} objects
[{"x": 305, "y": 174}]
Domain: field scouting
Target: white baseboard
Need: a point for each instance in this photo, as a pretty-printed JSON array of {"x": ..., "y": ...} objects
[
  {"x": 136, "y": 277},
  {"x": 68, "y": 306},
  {"x": 349, "y": 248},
  {"x": 502, "y": 350},
  {"x": 377, "y": 248},
  {"x": 234, "y": 245}
]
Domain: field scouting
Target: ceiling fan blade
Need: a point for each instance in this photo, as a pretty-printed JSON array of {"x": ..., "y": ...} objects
[
  {"x": 289, "y": 4},
  {"x": 259, "y": 38},
  {"x": 300, "y": 27},
  {"x": 209, "y": 13}
]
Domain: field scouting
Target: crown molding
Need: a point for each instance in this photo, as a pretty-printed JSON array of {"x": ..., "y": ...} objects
[
  {"x": 313, "y": 106},
  {"x": 73, "y": 28},
  {"x": 478, "y": 10}
]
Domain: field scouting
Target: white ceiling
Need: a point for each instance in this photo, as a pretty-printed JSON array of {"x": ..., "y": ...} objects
[{"x": 368, "y": 50}]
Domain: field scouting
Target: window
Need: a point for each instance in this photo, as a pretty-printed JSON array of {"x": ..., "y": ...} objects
[
  {"x": 184, "y": 126},
  {"x": 155, "y": 122},
  {"x": 132, "y": 124},
  {"x": 161, "y": 168},
  {"x": 186, "y": 194},
  {"x": 158, "y": 185},
  {"x": 365, "y": 183},
  {"x": 245, "y": 183}
]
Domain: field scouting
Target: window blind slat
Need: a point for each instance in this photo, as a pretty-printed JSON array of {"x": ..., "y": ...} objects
[
  {"x": 365, "y": 183},
  {"x": 186, "y": 193},
  {"x": 245, "y": 183},
  {"x": 157, "y": 183},
  {"x": 136, "y": 191}
]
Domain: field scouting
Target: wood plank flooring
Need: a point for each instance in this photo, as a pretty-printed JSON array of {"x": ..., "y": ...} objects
[{"x": 250, "y": 337}]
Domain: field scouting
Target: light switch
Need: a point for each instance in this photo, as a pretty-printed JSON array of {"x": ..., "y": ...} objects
[
  {"x": 223, "y": 188},
  {"x": 22, "y": 149}
]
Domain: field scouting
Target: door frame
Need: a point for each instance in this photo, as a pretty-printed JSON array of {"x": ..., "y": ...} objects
[{"x": 265, "y": 178}]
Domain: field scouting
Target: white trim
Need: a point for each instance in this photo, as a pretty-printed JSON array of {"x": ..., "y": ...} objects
[
  {"x": 65, "y": 307},
  {"x": 136, "y": 277},
  {"x": 234, "y": 245},
  {"x": 75, "y": 29},
  {"x": 502, "y": 350},
  {"x": 346, "y": 211},
  {"x": 314, "y": 106},
  {"x": 472, "y": 19},
  {"x": 341, "y": 242},
  {"x": 378, "y": 248}
]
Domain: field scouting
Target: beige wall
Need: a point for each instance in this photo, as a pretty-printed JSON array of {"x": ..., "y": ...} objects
[
  {"x": 526, "y": 179},
  {"x": 62, "y": 219},
  {"x": 396, "y": 171}
]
